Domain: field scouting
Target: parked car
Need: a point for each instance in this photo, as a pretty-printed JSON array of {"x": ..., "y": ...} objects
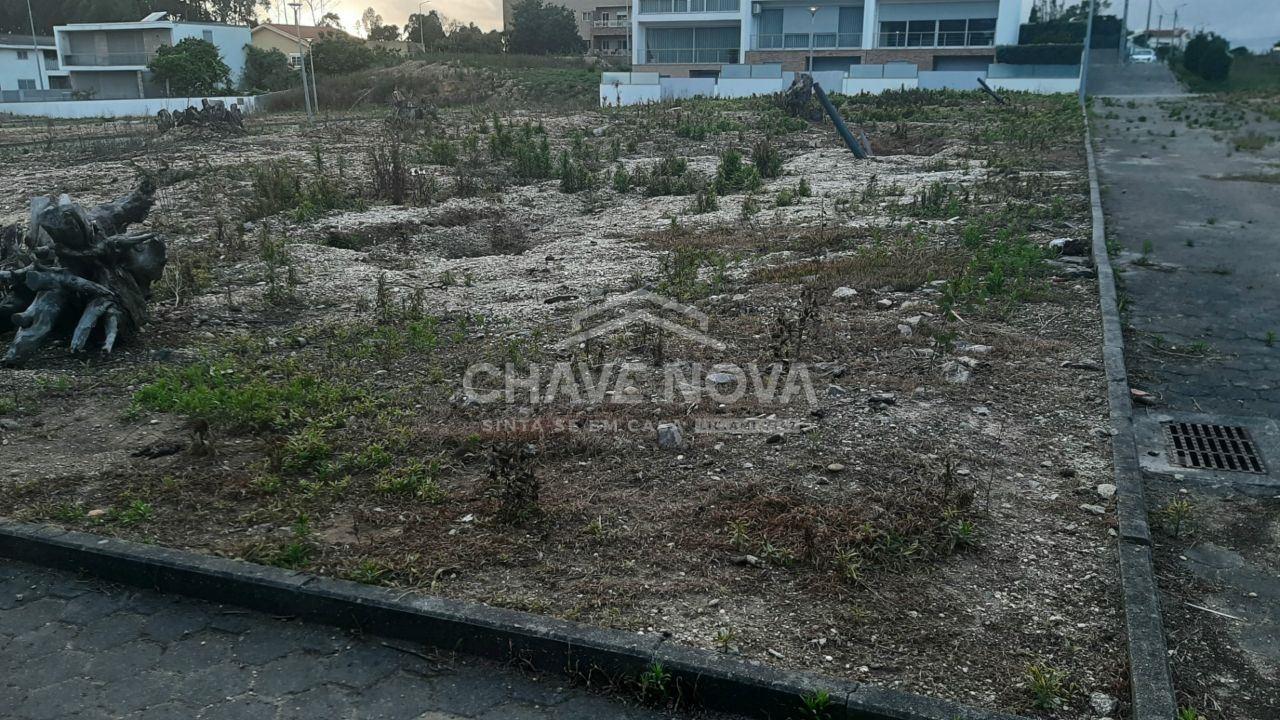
[{"x": 1142, "y": 55}]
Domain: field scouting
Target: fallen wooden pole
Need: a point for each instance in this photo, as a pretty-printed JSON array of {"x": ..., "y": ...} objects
[{"x": 838, "y": 121}]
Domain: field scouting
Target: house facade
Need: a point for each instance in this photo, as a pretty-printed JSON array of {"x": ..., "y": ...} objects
[
  {"x": 282, "y": 37},
  {"x": 694, "y": 38},
  {"x": 27, "y": 67},
  {"x": 108, "y": 61}
]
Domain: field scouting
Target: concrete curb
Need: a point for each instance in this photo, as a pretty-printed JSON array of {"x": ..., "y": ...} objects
[
  {"x": 699, "y": 678},
  {"x": 1151, "y": 683}
]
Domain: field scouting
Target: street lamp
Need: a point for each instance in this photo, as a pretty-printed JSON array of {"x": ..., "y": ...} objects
[
  {"x": 813, "y": 13},
  {"x": 422, "y": 37},
  {"x": 302, "y": 60},
  {"x": 35, "y": 48}
]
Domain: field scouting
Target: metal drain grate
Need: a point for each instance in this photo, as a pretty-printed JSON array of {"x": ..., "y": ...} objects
[{"x": 1213, "y": 447}]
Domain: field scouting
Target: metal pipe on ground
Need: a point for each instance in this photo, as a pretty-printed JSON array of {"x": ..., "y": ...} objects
[{"x": 838, "y": 121}]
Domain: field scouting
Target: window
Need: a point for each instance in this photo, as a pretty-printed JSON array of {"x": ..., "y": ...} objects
[
  {"x": 692, "y": 45},
  {"x": 22, "y": 54},
  {"x": 770, "y": 25},
  {"x": 893, "y": 34},
  {"x": 982, "y": 31},
  {"x": 26, "y": 84},
  {"x": 951, "y": 33},
  {"x": 922, "y": 33},
  {"x": 208, "y": 35},
  {"x": 295, "y": 60}
]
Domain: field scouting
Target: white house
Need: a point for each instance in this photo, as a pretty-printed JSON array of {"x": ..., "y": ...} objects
[
  {"x": 109, "y": 60},
  {"x": 694, "y": 38},
  {"x": 26, "y": 65}
]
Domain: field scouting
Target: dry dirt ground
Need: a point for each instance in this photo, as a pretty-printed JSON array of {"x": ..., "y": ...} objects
[{"x": 933, "y": 523}]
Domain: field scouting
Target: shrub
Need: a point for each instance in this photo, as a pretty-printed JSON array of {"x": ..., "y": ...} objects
[
  {"x": 1208, "y": 56},
  {"x": 767, "y": 159},
  {"x": 621, "y": 180},
  {"x": 574, "y": 175},
  {"x": 706, "y": 200},
  {"x": 265, "y": 70},
  {"x": 734, "y": 175},
  {"x": 670, "y": 176},
  {"x": 531, "y": 160}
]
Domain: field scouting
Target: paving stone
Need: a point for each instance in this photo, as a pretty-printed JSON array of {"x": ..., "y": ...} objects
[
  {"x": 100, "y": 636},
  {"x": 51, "y": 668},
  {"x": 360, "y": 666},
  {"x": 323, "y": 701},
  {"x": 167, "y": 627},
  {"x": 125, "y": 661},
  {"x": 56, "y": 701},
  {"x": 239, "y": 709},
  {"x": 290, "y": 674},
  {"x": 215, "y": 684},
  {"x": 113, "y": 653}
]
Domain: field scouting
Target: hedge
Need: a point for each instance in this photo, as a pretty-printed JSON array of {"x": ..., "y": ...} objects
[{"x": 1061, "y": 54}]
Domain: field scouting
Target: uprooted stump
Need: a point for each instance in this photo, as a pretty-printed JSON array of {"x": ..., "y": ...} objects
[
  {"x": 215, "y": 116},
  {"x": 77, "y": 270}
]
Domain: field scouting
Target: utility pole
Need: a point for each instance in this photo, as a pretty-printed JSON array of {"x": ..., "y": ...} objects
[
  {"x": 1084, "y": 58},
  {"x": 35, "y": 49},
  {"x": 422, "y": 35},
  {"x": 813, "y": 13},
  {"x": 1148, "y": 25},
  {"x": 302, "y": 61},
  {"x": 1124, "y": 35},
  {"x": 315, "y": 93}
]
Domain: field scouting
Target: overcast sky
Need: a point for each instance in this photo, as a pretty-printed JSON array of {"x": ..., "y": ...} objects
[{"x": 1254, "y": 23}]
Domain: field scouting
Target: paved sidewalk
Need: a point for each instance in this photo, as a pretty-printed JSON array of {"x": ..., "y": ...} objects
[
  {"x": 1200, "y": 280},
  {"x": 80, "y": 648}
]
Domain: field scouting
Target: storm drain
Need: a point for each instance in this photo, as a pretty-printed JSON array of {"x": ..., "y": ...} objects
[{"x": 1202, "y": 446}]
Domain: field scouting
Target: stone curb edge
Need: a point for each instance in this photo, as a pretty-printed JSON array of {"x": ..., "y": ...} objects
[
  {"x": 700, "y": 678},
  {"x": 1151, "y": 684}
]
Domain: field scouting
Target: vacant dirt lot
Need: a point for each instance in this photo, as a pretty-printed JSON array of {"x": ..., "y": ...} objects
[{"x": 929, "y": 520}]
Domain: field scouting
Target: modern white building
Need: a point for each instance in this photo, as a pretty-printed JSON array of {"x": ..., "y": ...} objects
[
  {"x": 694, "y": 38},
  {"x": 107, "y": 61},
  {"x": 25, "y": 66}
]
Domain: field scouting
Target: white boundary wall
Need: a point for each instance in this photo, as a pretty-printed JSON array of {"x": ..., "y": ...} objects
[{"x": 139, "y": 107}]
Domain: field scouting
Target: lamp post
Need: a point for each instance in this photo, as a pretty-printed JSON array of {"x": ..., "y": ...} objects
[
  {"x": 302, "y": 60},
  {"x": 1084, "y": 57},
  {"x": 422, "y": 35},
  {"x": 813, "y": 13},
  {"x": 1124, "y": 35},
  {"x": 35, "y": 48}
]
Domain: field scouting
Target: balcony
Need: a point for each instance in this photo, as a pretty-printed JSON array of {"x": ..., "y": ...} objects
[
  {"x": 807, "y": 41},
  {"x": 614, "y": 23},
  {"x": 651, "y": 7},
  {"x": 108, "y": 59},
  {"x": 689, "y": 56}
]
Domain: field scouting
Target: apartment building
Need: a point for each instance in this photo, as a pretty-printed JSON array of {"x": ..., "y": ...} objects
[
  {"x": 28, "y": 66},
  {"x": 604, "y": 24},
  {"x": 108, "y": 61},
  {"x": 693, "y": 38}
]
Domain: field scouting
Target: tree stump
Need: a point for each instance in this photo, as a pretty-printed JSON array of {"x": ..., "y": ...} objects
[{"x": 77, "y": 270}]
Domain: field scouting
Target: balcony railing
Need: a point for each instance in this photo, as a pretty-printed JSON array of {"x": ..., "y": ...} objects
[
  {"x": 614, "y": 23},
  {"x": 687, "y": 6},
  {"x": 108, "y": 59},
  {"x": 975, "y": 38},
  {"x": 686, "y": 56},
  {"x": 805, "y": 41}
]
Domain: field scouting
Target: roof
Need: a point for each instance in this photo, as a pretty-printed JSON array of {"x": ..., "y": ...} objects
[
  {"x": 1171, "y": 32},
  {"x": 24, "y": 41},
  {"x": 308, "y": 32}
]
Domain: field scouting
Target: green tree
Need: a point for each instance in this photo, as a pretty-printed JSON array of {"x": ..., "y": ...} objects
[
  {"x": 541, "y": 29},
  {"x": 426, "y": 29},
  {"x": 266, "y": 70},
  {"x": 1208, "y": 56},
  {"x": 385, "y": 32},
  {"x": 192, "y": 67},
  {"x": 335, "y": 53}
]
